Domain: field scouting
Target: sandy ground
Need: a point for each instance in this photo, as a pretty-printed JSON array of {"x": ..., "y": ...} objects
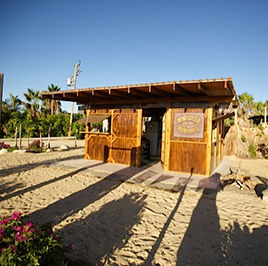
[{"x": 111, "y": 222}]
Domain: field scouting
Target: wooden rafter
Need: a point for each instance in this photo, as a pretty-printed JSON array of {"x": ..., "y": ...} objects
[
  {"x": 204, "y": 89},
  {"x": 159, "y": 92},
  {"x": 119, "y": 93},
  {"x": 136, "y": 92},
  {"x": 181, "y": 90},
  {"x": 132, "y": 100}
]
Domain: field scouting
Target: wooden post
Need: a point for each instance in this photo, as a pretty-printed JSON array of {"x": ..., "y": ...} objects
[
  {"x": 48, "y": 138},
  {"x": 76, "y": 72},
  {"x": 28, "y": 141},
  {"x": 168, "y": 133},
  {"x": 20, "y": 138},
  {"x": 1, "y": 95},
  {"x": 218, "y": 143},
  {"x": 41, "y": 139},
  {"x": 235, "y": 118},
  {"x": 16, "y": 133},
  {"x": 138, "y": 143},
  {"x": 75, "y": 138},
  {"x": 209, "y": 112}
]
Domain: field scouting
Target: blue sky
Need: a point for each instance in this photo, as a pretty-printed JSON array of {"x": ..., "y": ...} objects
[{"x": 125, "y": 42}]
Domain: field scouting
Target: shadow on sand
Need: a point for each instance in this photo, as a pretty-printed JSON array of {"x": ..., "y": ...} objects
[
  {"x": 96, "y": 237},
  {"x": 33, "y": 187},
  {"x": 205, "y": 243},
  {"x": 29, "y": 166},
  {"x": 61, "y": 209}
]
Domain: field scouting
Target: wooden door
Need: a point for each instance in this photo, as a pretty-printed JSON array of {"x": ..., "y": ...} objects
[{"x": 125, "y": 146}]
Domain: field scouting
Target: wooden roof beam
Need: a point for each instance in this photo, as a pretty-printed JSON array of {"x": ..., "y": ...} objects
[
  {"x": 181, "y": 90},
  {"x": 159, "y": 92},
  {"x": 199, "y": 99},
  {"x": 103, "y": 95},
  {"x": 204, "y": 89},
  {"x": 136, "y": 92},
  {"x": 226, "y": 86},
  {"x": 118, "y": 93}
]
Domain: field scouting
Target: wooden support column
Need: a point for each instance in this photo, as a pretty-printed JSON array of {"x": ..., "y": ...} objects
[
  {"x": 168, "y": 132},
  {"x": 214, "y": 148},
  {"x": 222, "y": 140},
  {"x": 209, "y": 132},
  {"x": 218, "y": 142},
  {"x": 139, "y": 131}
]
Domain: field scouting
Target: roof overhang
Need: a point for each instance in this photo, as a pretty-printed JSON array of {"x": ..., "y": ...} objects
[{"x": 209, "y": 90}]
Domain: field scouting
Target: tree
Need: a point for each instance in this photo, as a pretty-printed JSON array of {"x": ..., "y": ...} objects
[
  {"x": 54, "y": 105},
  {"x": 32, "y": 102},
  {"x": 15, "y": 103},
  {"x": 246, "y": 105}
]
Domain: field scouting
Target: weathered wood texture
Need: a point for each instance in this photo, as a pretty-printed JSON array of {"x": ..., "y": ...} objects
[
  {"x": 189, "y": 154},
  {"x": 123, "y": 144},
  {"x": 217, "y": 143}
]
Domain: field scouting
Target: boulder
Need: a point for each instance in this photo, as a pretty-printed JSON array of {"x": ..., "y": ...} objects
[
  {"x": 63, "y": 148},
  {"x": 2, "y": 151},
  {"x": 265, "y": 194},
  {"x": 49, "y": 150}
]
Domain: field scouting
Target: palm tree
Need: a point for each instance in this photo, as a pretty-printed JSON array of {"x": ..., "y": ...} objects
[
  {"x": 15, "y": 103},
  {"x": 54, "y": 105},
  {"x": 246, "y": 105},
  {"x": 32, "y": 102}
]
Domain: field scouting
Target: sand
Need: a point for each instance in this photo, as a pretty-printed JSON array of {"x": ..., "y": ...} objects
[{"x": 110, "y": 222}]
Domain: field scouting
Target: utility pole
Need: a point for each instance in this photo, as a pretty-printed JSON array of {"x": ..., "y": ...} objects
[
  {"x": 1, "y": 94},
  {"x": 76, "y": 73}
]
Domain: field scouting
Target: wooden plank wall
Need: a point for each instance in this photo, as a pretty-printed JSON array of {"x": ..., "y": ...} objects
[
  {"x": 122, "y": 144},
  {"x": 188, "y": 154},
  {"x": 217, "y": 143}
]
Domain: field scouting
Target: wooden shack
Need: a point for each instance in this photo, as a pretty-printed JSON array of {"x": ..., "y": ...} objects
[{"x": 180, "y": 123}]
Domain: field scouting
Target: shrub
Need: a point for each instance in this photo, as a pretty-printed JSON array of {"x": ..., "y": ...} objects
[
  {"x": 260, "y": 134},
  {"x": 243, "y": 138},
  {"x": 252, "y": 150},
  {"x": 35, "y": 146},
  {"x": 260, "y": 127},
  {"x": 26, "y": 243},
  {"x": 11, "y": 149},
  {"x": 3, "y": 145}
]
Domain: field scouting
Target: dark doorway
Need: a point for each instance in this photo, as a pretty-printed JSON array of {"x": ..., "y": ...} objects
[{"x": 152, "y": 122}]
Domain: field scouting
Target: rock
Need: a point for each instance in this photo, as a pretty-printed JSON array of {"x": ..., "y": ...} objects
[
  {"x": 63, "y": 148},
  {"x": 3, "y": 151},
  {"x": 19, "y": 151},
  {"x": 265, "y": 195},
  {"x": 48, "y": 150}
]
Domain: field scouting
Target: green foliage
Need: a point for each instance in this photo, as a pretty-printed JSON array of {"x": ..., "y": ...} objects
[
  {"x": 260, "y": 134},
  {"x": 252, "y": 150},
  {"x": 243, "y": 138},
  {"x": 35, "y": 146},
  {"x": 246, "y": 103},
  {"x": 229, "y": 122},
  {"x": 77, "y": 127},
  {"x": 260, "y": 127},
  {"x": 11, "y": 149},
  {"x": 26, "y": 243}
]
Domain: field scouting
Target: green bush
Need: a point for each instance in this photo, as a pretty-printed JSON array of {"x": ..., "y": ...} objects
[
  {"x": 26, "y": 243},
  {"x": 260, "y": 134},
  {"x": 243, "y": 138},
  {"x": 35, "y": 146},
  {"x": 252, "y": 150}
]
